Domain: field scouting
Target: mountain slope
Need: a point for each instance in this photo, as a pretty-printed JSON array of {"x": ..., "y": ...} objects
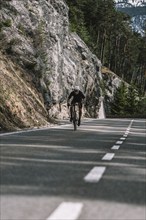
[
  {"x": 137, "y": 10},
  {"x": 21, "y": 104}
]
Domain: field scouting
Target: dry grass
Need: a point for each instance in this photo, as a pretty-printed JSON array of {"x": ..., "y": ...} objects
[
  {"x": 20, "y": 102},
  {"x": 105, "y": 70}
]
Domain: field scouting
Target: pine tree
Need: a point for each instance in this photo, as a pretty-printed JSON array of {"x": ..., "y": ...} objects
[
  {"x": 109, "y": 35},
  {"x": 120, "y": 100},
  {"x": 132, "y": 100}
]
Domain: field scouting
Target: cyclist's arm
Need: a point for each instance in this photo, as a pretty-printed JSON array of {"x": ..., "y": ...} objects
[
  {"x": 83, "y": 97},
  {"x": 68, "y": 99}
]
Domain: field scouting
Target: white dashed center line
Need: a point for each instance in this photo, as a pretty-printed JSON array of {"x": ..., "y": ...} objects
[
  {"x": 108, "y": 156},
  {"x": 125, "y": 135},
  {"x": 122, "y": 138},
  {"x": 95, "y": 175},
  {"x": 66, "y": 211},
  {"x": 119, "y": 142},
  {"x": 115, "y": 147}
]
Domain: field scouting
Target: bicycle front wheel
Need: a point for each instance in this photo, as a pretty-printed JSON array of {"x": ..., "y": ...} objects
[{"x": 75, "y": 121}]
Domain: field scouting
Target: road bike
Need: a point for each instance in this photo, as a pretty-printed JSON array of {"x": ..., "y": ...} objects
[{"x": 75, "y": 115}]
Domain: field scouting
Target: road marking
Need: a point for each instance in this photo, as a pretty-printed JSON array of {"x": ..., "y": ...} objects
[
  {"x": 49, "y": 160},
  {"x": 125, "y": 135},
  {"x": 95, "y": 174},
  {"x": 127, "y": 132},
  {"x": 119, "y": 142},
  {"x": 108, "y": 156},
  {"x": 122, "y": 138},
  {"x": 66, "y": 211},
  {"x": 35, "y": 129},
  {"x": 115, "y": 147}
]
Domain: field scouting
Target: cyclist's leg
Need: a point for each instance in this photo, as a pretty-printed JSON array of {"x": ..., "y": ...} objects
[
  {"x": 80, "y": 113},
  {"x": 71, "y": 113},
  {"x": 71, "y": 109}
]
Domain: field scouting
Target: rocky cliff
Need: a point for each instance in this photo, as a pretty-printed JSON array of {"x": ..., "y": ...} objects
[{"x": 41, "y": 61}]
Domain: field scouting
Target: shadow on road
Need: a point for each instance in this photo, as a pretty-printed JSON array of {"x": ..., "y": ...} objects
[{"x": 55, "y": 161}]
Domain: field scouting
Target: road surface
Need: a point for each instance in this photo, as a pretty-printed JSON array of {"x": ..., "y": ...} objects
[{"x": 95, "y": 173}]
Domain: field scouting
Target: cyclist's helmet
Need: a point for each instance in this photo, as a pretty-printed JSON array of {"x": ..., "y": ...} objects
[{"x": 76, "y": 89}]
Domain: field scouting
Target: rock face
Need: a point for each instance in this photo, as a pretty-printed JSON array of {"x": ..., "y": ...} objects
[
  {"x": 38, "y": 50},
  {"x": 35, "y": 34},
  {"x": 81, "y": 67},
  {"x": 111, "y": 82}
]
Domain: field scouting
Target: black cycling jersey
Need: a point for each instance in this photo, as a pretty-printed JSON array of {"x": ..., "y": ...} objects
[{"x": 76, "y": 97}]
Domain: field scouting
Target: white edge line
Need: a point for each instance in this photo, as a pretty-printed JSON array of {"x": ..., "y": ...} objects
[
  {"x": 32, "y": 130},
  {"x": 38, "y": 129}
]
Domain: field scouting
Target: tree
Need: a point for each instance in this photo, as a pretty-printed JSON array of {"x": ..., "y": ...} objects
[
  {"x": 132, "y": 100},
  {"x": 120, "y": 100},
  {"x": 109, "y": 35}
]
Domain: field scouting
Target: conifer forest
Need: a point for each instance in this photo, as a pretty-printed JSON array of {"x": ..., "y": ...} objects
[{"x": 109, "y": 35}]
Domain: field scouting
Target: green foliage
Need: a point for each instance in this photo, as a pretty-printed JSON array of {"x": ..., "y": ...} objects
[
  {"x": 42, "y": 53},
  {"x": 21, "y": 29},
  {"x": 109, "y": 35},
  {"x": 127, "y": 101},
  {"x": 142, "y": 106},
  {"x": 40, "y": 36},
  {"x": 5, "y": 23},
  {"x": 120, "y": 100},
  {"x": 78, "y": 22},
  {"x": 132, "y": 100},
  {"x": 102, "y": 85}
]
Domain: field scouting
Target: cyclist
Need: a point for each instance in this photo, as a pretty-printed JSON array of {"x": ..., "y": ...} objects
[{"x": 76, "y": 96}]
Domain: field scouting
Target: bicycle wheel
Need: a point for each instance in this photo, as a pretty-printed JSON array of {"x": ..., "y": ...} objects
[{"x": 75, "y": 121}]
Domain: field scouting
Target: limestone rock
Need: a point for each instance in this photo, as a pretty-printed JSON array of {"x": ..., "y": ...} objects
[{"x": 35, "y": 34}]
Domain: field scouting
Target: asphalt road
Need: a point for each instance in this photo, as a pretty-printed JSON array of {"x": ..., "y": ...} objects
[{"x": 95, "y": 173}]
